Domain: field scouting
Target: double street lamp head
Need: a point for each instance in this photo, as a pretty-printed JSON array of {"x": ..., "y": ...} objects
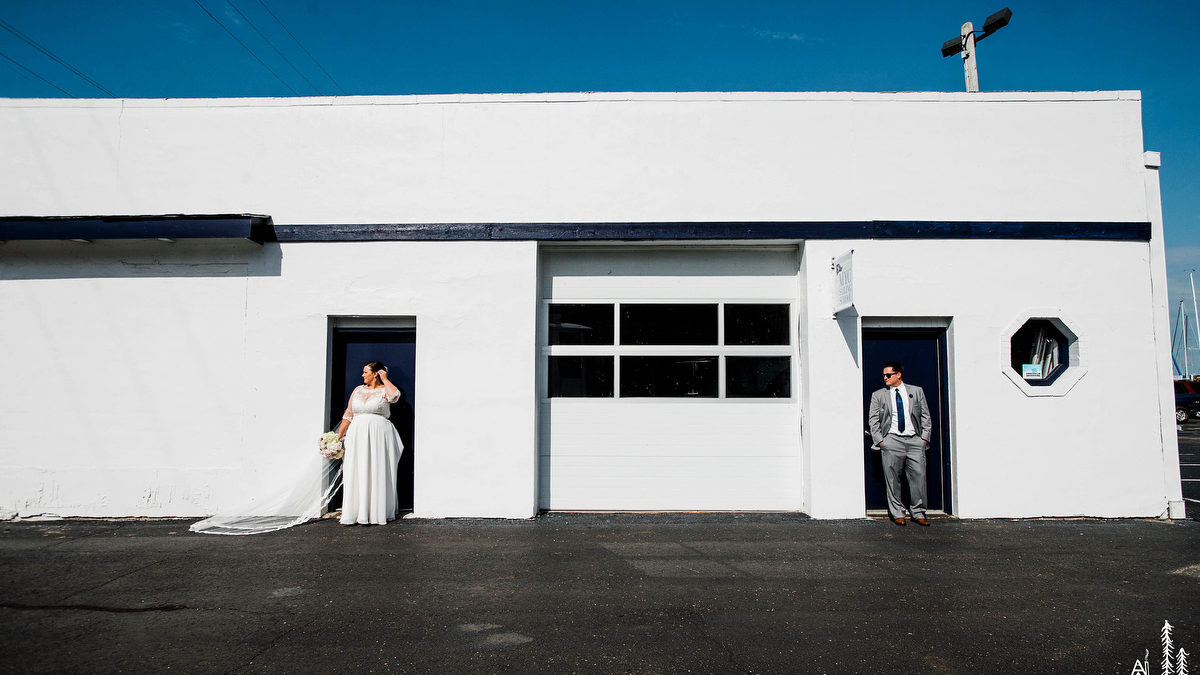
[
  {"x": 965, "y": 44},
  {"x": 990, "y": 25},
  {"x": 952, "y": 46},
  {"x": 995, "y": 22}
]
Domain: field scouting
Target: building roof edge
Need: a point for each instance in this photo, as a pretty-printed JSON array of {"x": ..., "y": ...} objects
[{"x": 581, "y": 97}]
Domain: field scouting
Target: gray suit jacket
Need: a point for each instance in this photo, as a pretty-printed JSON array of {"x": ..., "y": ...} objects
[{"x": 879, "y": 416}]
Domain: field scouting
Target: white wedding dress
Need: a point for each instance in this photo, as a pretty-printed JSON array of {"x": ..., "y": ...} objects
[
  {"x": 373, "y": 449},
  {"x": 305, "y": 488}
]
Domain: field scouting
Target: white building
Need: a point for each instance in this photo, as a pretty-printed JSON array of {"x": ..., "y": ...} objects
[{"x": 598, "y": 301}]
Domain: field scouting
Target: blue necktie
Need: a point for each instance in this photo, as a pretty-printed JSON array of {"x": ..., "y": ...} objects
[{"x": 899, "y": 412}]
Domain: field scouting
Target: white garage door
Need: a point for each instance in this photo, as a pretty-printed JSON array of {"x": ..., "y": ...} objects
[{"x": 669, "y": 379}]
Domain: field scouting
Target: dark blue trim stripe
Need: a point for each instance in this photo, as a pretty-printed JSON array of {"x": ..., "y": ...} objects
[
  {"x": 868, "y": 229},
  {"x": 921, "y": 229},
  {"x": 260, "y": 229},
  {"x": 567, "y": 231},
  {"x": 255, "y": 228}
]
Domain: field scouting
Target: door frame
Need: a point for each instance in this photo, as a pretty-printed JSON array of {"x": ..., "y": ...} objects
[
  {"x": 945, "y": 337},
  {"x": 336, "y": 323}
]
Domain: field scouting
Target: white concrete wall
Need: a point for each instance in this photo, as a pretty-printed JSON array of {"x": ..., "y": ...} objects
[
  {"x": 129, "y": 393},
  {"x": 1094, "y": 451},
  {"x": 236, "y": 335},
  {"x": 125, "y": 380},
  {"x": 1172, "y": 487},
  {"x": 582, "y": 157}
]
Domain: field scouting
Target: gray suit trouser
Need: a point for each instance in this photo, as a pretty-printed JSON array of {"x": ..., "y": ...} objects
[{"x": 905, "y": 453}]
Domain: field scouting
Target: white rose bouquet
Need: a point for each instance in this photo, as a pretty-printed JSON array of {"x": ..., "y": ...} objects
[{"x": 331, "y": 446}]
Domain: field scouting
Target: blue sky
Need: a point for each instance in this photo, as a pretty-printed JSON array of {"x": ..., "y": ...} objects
[{"x": 174, "y": 48}]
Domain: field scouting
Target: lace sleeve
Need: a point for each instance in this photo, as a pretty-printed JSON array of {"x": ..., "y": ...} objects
[
  {"x": 349, "y": 414},
  {"x": 392, "y": 398}
]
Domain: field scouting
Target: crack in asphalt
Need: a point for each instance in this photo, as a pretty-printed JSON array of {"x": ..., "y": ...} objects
[
  {"x": 249, "y": 662},
  {"x": 93, "y": 608},
  {"x": 706, "y": 632},
  {"x": 105, "y": 583}
]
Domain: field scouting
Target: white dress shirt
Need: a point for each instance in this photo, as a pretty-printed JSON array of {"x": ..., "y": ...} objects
[{"x": 908, "y": 425}]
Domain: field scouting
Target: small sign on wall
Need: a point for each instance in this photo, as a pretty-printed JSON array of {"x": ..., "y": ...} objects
[
  {"x": 843, "y": 282},
  {"x": 1031, "y": 371}
]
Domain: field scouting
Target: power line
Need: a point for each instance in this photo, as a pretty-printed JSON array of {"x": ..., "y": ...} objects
[
  {"x": 272, "y": 45},
  {"x": 248, "y": 50},
  {"x": 15, "y": 63},
  {"x": 30, "y": 41},
  {"x": 299, "y": 44}
]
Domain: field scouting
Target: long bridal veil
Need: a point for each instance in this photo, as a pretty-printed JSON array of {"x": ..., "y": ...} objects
[{"x": 304, "y": 495}]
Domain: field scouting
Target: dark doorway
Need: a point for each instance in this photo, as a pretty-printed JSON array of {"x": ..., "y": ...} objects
[
  {"x": 350, "y": 350},
  {"x": 923, "y": 353}
]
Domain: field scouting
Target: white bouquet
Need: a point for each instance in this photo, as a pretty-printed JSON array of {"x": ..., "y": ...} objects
[{"x": 331, "y": 446}]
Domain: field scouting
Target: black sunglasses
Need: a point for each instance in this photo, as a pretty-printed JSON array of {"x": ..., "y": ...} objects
[{"x": 887, "y": 375}]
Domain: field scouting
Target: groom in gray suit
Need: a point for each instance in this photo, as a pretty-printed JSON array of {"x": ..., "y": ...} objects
[{"x": 900, "y": 427}]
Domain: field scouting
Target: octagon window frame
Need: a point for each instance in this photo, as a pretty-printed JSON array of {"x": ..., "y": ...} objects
[{"x": 1075, "y": 356}]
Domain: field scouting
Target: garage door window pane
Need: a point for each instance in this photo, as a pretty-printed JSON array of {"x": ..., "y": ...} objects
[
  {"x": 758, "y": 376},
  {"x": 668, "y": 324},
  {"x": 756, "y": 325},
  {"x": 581, "y": 324},
  {"x": 580, "y": 376},
  {"x": 669, "y": 376}
]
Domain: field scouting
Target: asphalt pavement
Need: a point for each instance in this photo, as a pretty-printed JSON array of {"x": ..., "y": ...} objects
[
  {"x": 1189, "y": 466},
  {"x": 574, "y": 593},
  {"x": 563, "y": 593}
]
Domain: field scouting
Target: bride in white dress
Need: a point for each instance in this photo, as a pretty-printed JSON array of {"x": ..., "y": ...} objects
[{"x": 373, "y": 449}]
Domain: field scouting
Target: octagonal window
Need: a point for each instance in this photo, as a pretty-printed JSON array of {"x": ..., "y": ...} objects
[{"x": 1040, "y": 352}]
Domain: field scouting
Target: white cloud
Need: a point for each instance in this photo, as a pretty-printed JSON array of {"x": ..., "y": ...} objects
[
  {"x": 777, "y": 35},
  {"x": 188, "y": 32},
  {"x": 232, "y": 15}
]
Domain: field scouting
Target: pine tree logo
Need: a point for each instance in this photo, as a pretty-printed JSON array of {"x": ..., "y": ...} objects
[{"x": 1172, "y": 663}]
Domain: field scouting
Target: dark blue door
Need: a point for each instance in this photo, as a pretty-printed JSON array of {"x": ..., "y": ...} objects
[
  {"x": 923, "y": 353},
  {"x": 353, "y": 348}
]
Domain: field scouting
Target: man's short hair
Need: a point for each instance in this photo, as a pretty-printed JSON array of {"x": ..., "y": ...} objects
[{"x": 895, "y": 366}]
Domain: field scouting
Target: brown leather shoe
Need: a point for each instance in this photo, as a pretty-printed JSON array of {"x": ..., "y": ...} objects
[
  {"x": 898, "y": 521},
  {"x": 922, "y": 521}
]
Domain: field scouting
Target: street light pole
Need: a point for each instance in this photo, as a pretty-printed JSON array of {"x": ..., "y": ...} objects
[
  {"x": 970, "y": 72},
  {"x": 965, "y": 43}
]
